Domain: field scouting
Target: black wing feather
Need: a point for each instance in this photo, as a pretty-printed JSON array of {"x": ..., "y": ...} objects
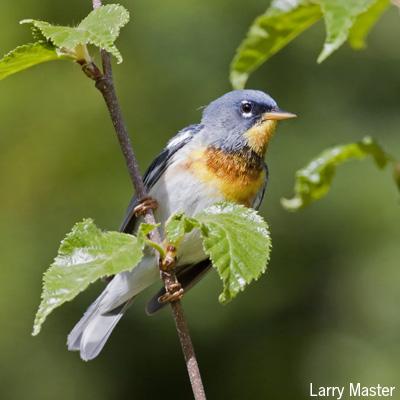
[{"x": 157, "y": 168}]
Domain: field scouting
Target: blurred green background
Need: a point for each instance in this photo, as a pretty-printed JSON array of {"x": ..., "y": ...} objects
[{"x": 327, "y": 310}]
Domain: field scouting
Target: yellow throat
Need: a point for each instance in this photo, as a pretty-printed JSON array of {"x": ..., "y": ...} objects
[{"x": 259, "y": 136}]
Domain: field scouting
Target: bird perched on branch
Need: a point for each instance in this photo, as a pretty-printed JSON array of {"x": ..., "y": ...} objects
[{"x": 220, "y": 159}]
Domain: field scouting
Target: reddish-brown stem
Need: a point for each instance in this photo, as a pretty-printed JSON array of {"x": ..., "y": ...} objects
[{"x": 105, "y": 84}]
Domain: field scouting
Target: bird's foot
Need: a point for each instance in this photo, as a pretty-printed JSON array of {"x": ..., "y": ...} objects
[
  {"x": 175, "y": 293},
  {"x": 147, "y": 203}
]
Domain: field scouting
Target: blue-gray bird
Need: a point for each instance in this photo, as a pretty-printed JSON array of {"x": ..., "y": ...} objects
[{"x": 220, "y": 159}]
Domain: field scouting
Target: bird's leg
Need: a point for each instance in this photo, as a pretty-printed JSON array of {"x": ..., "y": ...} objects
[
  {"x": 174, "y": 290},
  {"x": 147, "y": 203}
]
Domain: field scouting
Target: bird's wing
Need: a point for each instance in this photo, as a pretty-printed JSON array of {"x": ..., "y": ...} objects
[{"x": 157, "y": 168}]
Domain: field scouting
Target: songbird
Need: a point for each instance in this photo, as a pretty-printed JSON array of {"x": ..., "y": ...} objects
[{"x": 220, "y": 159}]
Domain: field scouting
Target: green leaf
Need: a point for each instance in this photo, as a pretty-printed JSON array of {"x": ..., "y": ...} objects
[
  {"x": 85, "y": 255},
  {"x": 144, "y": 230},
  {"x": 63, "y": 37},
  {"x": 38, "y": 35},
  {"x": 314, "y": 180},
  {"x": 103, "y": 25},
  {"x": 27, "y": 56},
  {"x": 281, "y": 23},
  {"x": 339, "y": 16},
  {"x": 177, "y": 226},
  {"x": 238, "y": 242},
  {"x": 286, "y": 19},
  {"x": 236, "y": 239},
  {"x": 365, "y": 22},
  {"x": 100, "y": 28}
]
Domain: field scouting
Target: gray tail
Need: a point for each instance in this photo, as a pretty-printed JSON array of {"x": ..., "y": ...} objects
[{"x": 90, "y": 334}]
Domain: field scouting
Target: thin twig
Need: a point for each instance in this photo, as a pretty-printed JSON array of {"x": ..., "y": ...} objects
[{"x": 105, "y": 84}]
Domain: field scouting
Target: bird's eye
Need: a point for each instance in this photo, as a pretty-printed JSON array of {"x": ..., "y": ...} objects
[{"x": 246, "y": 107}]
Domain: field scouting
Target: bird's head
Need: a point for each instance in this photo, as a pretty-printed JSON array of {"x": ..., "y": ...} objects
[{"x": 242, "y": 119}]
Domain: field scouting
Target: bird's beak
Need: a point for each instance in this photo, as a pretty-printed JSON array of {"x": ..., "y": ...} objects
[{"x": 277, "y": 115}]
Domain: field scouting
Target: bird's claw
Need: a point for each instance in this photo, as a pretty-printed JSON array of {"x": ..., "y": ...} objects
[
  {"x": 175, "y": 293},
  {"x": 147, "y": 203}
]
